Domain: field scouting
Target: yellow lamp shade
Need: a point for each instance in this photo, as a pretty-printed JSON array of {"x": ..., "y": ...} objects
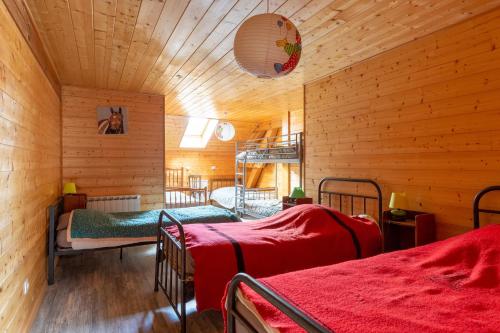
[
  {"x": 267, "y": 46},
  {"x": 69, "y": 188},
  {"x": 398, "y": 201}
]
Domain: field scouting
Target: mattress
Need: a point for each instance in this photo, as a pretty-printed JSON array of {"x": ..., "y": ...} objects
[
  {"x": 248, "y": 311},
  {"x": 176, "y": 264},
  {"x": 224, "y": 196},
  {"x": 91, "y": 243}
]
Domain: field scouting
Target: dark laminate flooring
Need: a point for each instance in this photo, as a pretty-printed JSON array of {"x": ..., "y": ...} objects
[{"x": 96, "y": 292}]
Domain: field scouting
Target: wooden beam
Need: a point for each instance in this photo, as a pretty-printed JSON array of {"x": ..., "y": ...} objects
[{"x": 24, "y": 22}]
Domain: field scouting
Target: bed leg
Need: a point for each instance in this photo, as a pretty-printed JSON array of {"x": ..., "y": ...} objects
[
  {"x": 158, "y": 251},
  {"x": 121, "y": 253},
  {"x": 51, "y": 269},
  {"x": 52, "y": 244}
]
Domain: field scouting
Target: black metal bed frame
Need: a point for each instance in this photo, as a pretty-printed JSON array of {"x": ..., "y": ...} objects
[
  {"x": 477, "y": 200},
  {"x": 170, "y": 249},
  {"x": 173, "y": 283},
  {"x": 332, "y": 194},
  {"x": 55, "y": 210},
  {"x": 295, "y": 314}
]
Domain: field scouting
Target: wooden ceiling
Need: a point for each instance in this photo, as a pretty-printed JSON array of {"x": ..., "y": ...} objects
[{"x": 183, "y": 49}]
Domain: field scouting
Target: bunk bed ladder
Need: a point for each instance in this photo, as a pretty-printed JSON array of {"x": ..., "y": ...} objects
[{"x": 239, "y": 183}]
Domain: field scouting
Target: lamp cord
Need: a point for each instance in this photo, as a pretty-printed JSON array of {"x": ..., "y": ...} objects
[{"x": 267, "y": 10}]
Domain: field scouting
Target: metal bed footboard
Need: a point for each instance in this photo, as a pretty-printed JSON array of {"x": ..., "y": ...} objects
[
  {"x": 180, "y": 197},
  {"x": 477, "y": 210},
  {"x": 233, "y": 316},
  {"x": 171, "y": 250}
]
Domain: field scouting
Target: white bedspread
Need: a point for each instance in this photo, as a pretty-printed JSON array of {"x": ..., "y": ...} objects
[{"x": 224, "y": 196}]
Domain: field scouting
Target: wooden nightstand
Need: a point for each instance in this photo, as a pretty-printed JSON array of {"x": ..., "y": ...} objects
[
  {"x": 290, "y": 202},
  {"x": 75, "y": 201},
  {"x": 416, "y": 229}
]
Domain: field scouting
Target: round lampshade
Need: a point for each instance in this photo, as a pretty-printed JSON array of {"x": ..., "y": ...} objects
[
  {"x": 225, "y": 131},
  {"x": 267, "y": 46}
]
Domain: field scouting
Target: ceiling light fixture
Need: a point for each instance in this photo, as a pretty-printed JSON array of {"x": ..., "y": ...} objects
[{"x": 267, "y": 45}]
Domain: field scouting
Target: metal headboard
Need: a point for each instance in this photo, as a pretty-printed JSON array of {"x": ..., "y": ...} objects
[
  {"x": 332, "y": 194},
  {"x": 477, "y": 200}
]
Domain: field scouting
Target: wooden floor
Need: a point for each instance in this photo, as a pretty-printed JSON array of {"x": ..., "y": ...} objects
[{"x": 99, "y": 293}]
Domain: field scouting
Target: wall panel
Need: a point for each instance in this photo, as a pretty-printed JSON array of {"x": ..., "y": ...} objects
[
  {"x": 422, "y": 118},
  {"x": 200, "y": 161},
  {"x": 114, "y": 165},
  {"x": 30, "y": 175}
]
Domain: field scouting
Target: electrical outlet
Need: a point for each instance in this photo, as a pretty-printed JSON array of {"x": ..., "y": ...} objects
[{"x": 26, "y": 286}]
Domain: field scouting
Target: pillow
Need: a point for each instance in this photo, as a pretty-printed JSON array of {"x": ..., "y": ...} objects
[
  {"x": 63, "y": 221},
  {"x": 365, "y": 217}
]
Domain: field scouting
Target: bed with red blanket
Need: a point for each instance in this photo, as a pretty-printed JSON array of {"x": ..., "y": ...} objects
[
  {"x": 204, "y": 258},
  {"x": 447, "y": 286}
]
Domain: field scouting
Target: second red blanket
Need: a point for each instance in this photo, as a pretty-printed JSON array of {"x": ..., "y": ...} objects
[
  {"x": 445, "y": 287},
  {"x": 301, "y": 237}
]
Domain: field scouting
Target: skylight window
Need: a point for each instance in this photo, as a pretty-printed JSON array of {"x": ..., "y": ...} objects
[{"x": 198, "y": 132}]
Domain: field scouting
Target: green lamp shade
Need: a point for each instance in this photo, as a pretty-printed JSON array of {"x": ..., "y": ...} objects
[
  {"x": 69, "y": 188},
  {"x": 297, "y": 193}
]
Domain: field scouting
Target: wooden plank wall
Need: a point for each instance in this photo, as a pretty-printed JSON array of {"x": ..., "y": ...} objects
[
  {"x": 422, "y": 118},
  {"x": 30, "y": 175},
  {"x": 199, "y": 161},
  {"x": 114, "y": 165},
  {"x": 289, "y": 119}
]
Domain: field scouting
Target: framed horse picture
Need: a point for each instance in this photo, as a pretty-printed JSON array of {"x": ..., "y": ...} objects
[{"x": 112, "y": 120}]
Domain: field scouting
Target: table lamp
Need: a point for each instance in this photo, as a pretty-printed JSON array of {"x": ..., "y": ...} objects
[
  {"x": 297, "y": 193},
  {"x": 69, "y": 188},
  {"x": 398, "y": 204}
]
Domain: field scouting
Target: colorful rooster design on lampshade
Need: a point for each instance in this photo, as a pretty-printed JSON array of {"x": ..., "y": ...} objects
[{"x": 292, "y": 49}]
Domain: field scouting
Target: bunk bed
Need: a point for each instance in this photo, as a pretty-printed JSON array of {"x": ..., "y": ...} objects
[
  {"x": 446, "y": 286},
  {"x": 287, "y": 149},
  {"x": 178, "y": 195}
]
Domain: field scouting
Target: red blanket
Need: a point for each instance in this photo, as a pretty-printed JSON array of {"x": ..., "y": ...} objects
[
  {"x": 449, "y": 286},
  {"x": 301, "y": 237}
]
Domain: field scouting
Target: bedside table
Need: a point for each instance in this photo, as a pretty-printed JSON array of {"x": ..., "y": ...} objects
[
  {"x": 418, "y": 228},
  {"x": 290, "y": 202},
  {"x": 74, "y": 201}
]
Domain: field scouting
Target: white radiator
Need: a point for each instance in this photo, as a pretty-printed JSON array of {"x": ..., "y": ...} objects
[{"x": 122, "y": 203}]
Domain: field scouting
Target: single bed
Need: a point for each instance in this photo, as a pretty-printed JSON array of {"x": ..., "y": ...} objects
[
  {"x": 447, "y": 286},
  {"x": 83, "y": 230},
  {"x": 201, "y": 261}
]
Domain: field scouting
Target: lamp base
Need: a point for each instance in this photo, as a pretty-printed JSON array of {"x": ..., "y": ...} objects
[{"x": 398, "y": 214}]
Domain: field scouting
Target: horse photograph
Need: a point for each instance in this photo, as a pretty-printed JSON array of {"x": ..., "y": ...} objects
[{"x": 112, "y": 120}]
